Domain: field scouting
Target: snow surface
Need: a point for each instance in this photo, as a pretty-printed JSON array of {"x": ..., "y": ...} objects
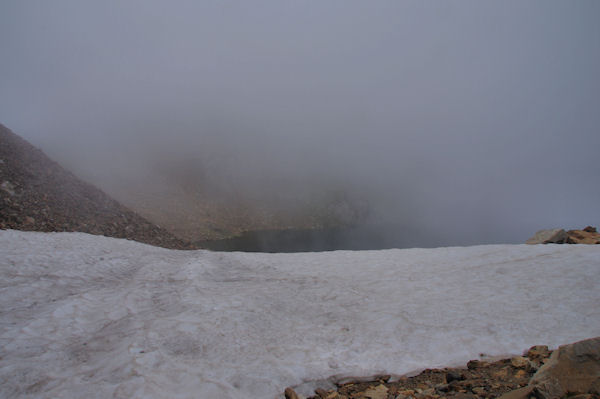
[{"x": 83, "y": 316}]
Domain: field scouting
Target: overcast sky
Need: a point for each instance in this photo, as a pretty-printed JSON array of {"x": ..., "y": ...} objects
[{"x": 479, "y": 119}]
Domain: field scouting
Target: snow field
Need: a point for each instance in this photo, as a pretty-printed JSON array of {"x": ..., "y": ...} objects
[{"x": 95, "y": 317}]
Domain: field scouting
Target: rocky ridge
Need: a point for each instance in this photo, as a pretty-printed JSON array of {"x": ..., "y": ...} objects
[
  {"x": 571, "y": 371},
  {"x": 588, "y": 235},
  {"x": 37, "y": 194}
]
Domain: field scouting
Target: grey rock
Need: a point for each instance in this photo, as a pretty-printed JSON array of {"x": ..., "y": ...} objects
[{"x": 552, "y": 236}]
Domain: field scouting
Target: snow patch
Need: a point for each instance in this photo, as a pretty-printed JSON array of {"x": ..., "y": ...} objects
[{"x": 89, "y": 316}]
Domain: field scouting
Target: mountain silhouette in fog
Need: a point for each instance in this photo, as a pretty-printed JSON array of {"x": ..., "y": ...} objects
[{"x": 37, "y": 194}]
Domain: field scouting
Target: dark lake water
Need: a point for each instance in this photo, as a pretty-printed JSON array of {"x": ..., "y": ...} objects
[{"x": 359, "y": 238}]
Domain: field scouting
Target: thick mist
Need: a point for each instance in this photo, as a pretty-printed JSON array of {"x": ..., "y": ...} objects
[{"x": 469, "y": 122}]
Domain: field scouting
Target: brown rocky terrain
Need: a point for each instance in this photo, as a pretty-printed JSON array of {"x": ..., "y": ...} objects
[
  {"x": 588, "y": 235},
  {"x": 37, "y": 194},
  {"x": 572, "y": 371}
]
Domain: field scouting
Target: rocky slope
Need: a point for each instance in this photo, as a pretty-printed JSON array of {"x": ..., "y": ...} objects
[
  {"x": 196, "y": 209},
  {"x": 572, "y": 371},
  {"x": 37, "y": 194}
]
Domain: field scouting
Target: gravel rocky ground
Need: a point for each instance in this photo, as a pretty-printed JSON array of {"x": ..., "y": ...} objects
[
  {"x": 572, "y": 371},
  {"x": 37, "y": 194}
]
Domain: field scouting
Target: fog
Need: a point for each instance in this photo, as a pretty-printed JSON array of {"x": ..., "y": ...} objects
[{"x": 474, "y": 122}]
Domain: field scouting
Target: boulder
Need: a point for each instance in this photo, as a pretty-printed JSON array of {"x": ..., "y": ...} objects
[
  {"x": 378, "y": 392},
  {"x": 572, "y": 369},
  {"x": 552, "y": 236},
  {"x": 291, "y": 394}
]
